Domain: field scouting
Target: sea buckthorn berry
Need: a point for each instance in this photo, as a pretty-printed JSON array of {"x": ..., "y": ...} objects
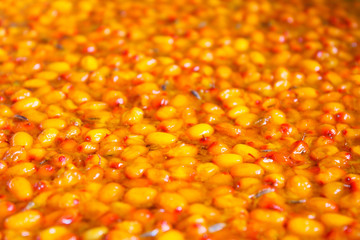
[
  {"x": 35, "y": 83},
  {"x": 233, "y": 102},
  {"x": 59, "y": 67},
  {"x": 133, "y": 152},
  {"x": 180, "y": 101},
  {"x": 350, "y": 200},
  {"x": 142, "y": 128},
  {"x": 327, "y": 130},
  {"x": 180, "y": 161},
  {"x": 5, "y": 111},
  {"x": 212, "y": 108},
  {"x": 336, "y": 220},
  {"x": 323, "y": 152},
  {"x": 157, "y": 175},
  {"x": 306, "y": 92},
  {"x": 20, "y": 94},
  {"x": 183, "y": 150},
  {"x": 344, "y": 117},
  {"x": 189, "y": 116},
  {"x": 89, "y": 106},
  {"x": 67, "y": 200},
  {"x": 146, "y": 64},
  {"x": 207, "y": 211},
  {"x": 25, "y": 169},
  {"x": 133, "y": 227},
  {"x": 333, "y": 78},
  {"x": 275, "y": 179},
  {"x": 228, "y": 201},
  {"x": 88, "y": 147},
  {"x": 47, "y": 75},
  {"x": 134, "y": 140},
  {"x": 311, "y": 65},
  {"x": 228, "y": 129},
  {"x": 166, "y": 112},
  {"x": 333, "y": 190},
  {"x": 15, "y": 154},
  {"x": 349, "y": 178},
  {"x": 135, "y": 115},
  {"x": 182, "y": 172},
  {"x": 239, "y": 225},
  {"x": 72, "y": 132},
  {"x": 53, "y": 97},
  {"x": 268, "y": 216},
  {"x": 246, "y": 120},
  {"x": 95, "y": 173},
  {"x": 206, "y": 170},
  {"x": 111, "y": 192},
  {"x": 246, "y": 152},
  {"x": 299, "y": 187},
  {"x": 329, "y": 175},
  {"x": 61, "y": 160},
  {"x": 89, "y": 63},
  {"x": 257, "y": 58},
  {"x": 217, "y": 148},
  {"x": 7, "y": 208},
  {"x": 192, "y": 195},
  {"x": 305, "y": 227},
  {"x": 237, "y": 111},
  {"x": 227, "y": 160},
  {"x": 272, "y": 200},
  {"x": 221, "y": 190},
  {"x": 241, "y": 44},
  {"x": 246, "y": 170},
  {"x": 333, "y": 107},
  {"x": 141, "y": 197},
  {"x": 22, "y": 139},
  {"x": 136, "y": 169},
  {"x": 114, "y": 98},
  {"x": 200, "y": 131},
  {"x": 26, "y": 220},
  {"x": 21, "y": 188},
  {"x": 47, "y": 137},
  {"x": 111, "y": 149},
  {"x": 312, "y": 104},
  {"x": 143, "y": 78},
  {"x": 79, "y": 97},
  {"x": 320, "y": 204},
  {"x": 119, "y": 234},
  {"x": 171, "y": 125},
  {"x": 172, "y": 70},
  {"x": 68, "y": 178},
  {"x": 34, "y": 115},
  {"x": 54, "y": 111},
  {"x": 95, "y": 233},
  {"x": 230, "y": 93},
  {"x": 161, "y": 138},
  {"x": 96, "y": 135},
  {"x": 3, "y": 166},
  {"x": 53, "y": 233},
  {"x": 56, "y": 123},
  {"x": 272, "y": 166},
  {"x": 171, "y": 235},
  {"x": 270, "y": 103},
  {"x": 277, "y": 116},
  {"x": 26, "y": 104},
  {"x": 223, "y": 72},
  {"x": 171, "y": 202}
]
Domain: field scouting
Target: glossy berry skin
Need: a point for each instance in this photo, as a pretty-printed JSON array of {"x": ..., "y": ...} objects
[{"x": 182, "y": 119}]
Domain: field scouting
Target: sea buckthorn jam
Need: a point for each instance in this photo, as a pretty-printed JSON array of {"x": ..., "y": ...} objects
[{"x": 179, "y": 119}]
